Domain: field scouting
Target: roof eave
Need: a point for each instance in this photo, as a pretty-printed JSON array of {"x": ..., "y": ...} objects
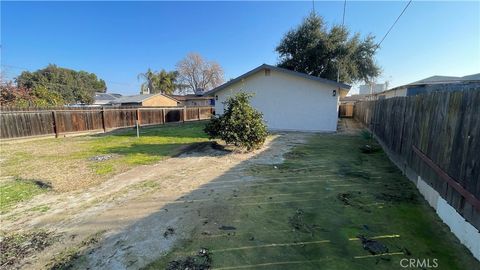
[{"x": 255, "y": 70}]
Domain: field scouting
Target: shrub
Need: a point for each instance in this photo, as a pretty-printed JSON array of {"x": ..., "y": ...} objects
[{"x": 240, "y": 125}]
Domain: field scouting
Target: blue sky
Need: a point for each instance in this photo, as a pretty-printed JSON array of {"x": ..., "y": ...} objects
[{"x": 118, "y": 40}]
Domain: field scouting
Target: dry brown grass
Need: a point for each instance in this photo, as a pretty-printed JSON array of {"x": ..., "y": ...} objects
[{"x": 66, "y": 163}]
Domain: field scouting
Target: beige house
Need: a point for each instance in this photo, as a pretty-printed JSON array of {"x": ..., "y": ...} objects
[
  {"x": 148, "y": 100},
  {"x": 193, "y": 100}
]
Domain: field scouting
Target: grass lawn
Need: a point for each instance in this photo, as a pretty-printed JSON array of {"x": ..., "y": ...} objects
[
  {"x": 77, "y": 162},
  {"x": 12, "y": 192},
  {"x": 308, "y": 212}
]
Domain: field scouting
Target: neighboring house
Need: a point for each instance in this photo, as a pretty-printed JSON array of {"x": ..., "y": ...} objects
[
  {"x": 373, "y": 88},
  {"x": 353, "y": 98},
  {"x": 433, "y": 84},
  {"x": 194, "y": 100},
  {"x": 104, "y": 99},
  {"x": 289, "y": 100},
  {"x": 151, "y": 100}
]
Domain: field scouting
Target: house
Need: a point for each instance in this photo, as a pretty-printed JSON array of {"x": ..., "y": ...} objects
[
  {"x": 354, "y": 98},
  {"x": 104, "y": 99},
  {"x": 433, "y": 84},
  {"x": 149, "y": 100},
  {"x": 373, "y": 88},
  {"x": 193, "y": 100},
  {"x": 289, "y": 100}
]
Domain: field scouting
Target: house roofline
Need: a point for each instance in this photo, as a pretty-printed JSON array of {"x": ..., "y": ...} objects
[
  {"x": 143, "y": 99},
  {"x": 291, "y": 72}
]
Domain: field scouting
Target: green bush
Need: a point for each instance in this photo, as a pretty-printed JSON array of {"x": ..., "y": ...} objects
[{"x": 240, "y": 125}]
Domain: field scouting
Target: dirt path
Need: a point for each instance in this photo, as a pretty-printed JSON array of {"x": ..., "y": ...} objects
[{"x": 133, "y": 210}]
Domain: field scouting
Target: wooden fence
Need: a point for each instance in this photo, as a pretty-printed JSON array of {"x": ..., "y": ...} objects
[
  {"x": 345, "y": 110},
  {"x": 438, "y": 137},
  {"x": 16, "y": 123}
]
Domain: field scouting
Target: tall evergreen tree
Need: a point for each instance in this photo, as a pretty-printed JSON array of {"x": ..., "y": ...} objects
[
  {"x": 73, "y": 86},
  {"x": 314, "y": 49}
]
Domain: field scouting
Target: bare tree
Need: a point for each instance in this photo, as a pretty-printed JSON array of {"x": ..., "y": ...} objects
[{"x": 198, "y": 74}]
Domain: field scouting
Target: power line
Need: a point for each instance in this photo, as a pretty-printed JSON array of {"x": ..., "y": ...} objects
[
  {"x": 391, "y": 27},
  {"x": 343, "y": 24},
  {"x": 27, "y": 69}
]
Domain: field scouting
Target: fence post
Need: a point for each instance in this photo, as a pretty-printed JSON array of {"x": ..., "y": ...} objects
[
  {"x": 139, "y": 117},
  {"x": 184, "y": 113},
  {"x": 55, "y": 127},
  {"x": 103, "y": 120},
  {"x": 198, "y": 111},
  {"x": 163, "y": 116},
  {"x": 138, "y": 130}
]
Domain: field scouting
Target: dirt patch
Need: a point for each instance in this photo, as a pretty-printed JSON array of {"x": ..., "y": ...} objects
[
  {"x": 351, "y": 199},
  {"x": 369, "y": 148},
  {"x": 227, "y": 228},
  {"x": 66, "y": 259},
  {"x": 297, "y": 222},
  {"x": 16, "y": 246},
  {"x": 397, "y": 197},
  {"x": 202, "y": 261},
  {"x": 137, "y": 207},
  {"x": 168, "y": 232},
  {"x": 373, "y": 246},
  {"x": 100, "y": 158}
]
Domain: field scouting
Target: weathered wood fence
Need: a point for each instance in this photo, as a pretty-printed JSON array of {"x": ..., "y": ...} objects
[
  {"x": 438, "y": 137},
  {"x": 16, "y": 123},
  {"x": 345, "y": 110}
]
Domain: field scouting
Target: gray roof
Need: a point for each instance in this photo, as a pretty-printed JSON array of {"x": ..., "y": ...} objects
[
  {"x": 440, "y": 80},
  {"x": 291, "y": 72},
  {"x": 133, "y": 99},
  {"x": 105, "y": 96},
  {"x": 447, "y": 79},
  {"x": 473, "y": 77}
]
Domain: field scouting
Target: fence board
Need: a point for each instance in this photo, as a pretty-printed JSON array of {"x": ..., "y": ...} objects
[
  {"x": 445, "y": 126},
  {"x": 31, "y": 122}
]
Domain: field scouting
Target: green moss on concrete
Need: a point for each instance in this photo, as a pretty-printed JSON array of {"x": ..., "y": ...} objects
[{"x": 332, "y": 193}]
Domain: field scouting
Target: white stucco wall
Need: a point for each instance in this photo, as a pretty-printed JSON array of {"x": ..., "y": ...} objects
[
  {"x": 288, "y": 102},
  {"x": 464, "y": 231}
]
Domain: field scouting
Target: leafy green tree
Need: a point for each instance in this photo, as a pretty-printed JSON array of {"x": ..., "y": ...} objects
[
  {"x": 240, "y": 125},
  {"x": 314, "y": 49},
  {"x": 46, "y": 98},
  {"x": 12, "y": 95},
  {"x": 158, "y": 82},
  {"x": 73, "y": 86}
]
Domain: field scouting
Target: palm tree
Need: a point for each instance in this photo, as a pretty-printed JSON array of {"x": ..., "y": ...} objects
[
  {"x": 166, "y": 81},
  {"x": 151, "y": 81}
]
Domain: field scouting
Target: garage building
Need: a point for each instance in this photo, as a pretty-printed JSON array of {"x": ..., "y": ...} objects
[{"x": 289, "y": 100}]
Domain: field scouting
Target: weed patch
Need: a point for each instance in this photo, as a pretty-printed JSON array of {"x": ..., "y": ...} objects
[
  {"x": 18, "y": 190},
  {"x": 70, "y": 256},
  {"x": 202, "y": 261},
  {"x": 14, "y": 247},
  {"x": 297, "y": 222}
]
